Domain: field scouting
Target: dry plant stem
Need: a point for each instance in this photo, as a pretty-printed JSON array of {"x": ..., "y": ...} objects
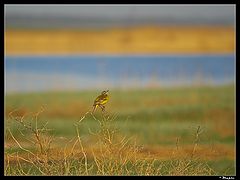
[
  {"x": 82, "y": 149},
  {"x": 7, "y": 165},
  {"x": 196, "y": 141},
  {"x": 29, "y": 127},
  {"x": 19, "y": 145},
  {"x": 44, "y": 145},
  {"x": 117, "y": 155},
  {"x": 83, "y": 116},
  {"x": 19, "y": 164}
]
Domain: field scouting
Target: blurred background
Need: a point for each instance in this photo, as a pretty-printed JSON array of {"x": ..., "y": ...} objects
[
  {"x": 77, "y": 47},
  {"x": 169, "y": 68}
]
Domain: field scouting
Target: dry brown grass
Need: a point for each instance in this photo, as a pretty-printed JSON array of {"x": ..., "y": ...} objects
[
  {"x": 144, "y": 39},
  {"x": 110, "y": 154}
]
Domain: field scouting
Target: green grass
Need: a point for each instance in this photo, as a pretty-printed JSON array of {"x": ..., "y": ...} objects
[{"x": 155, "y": 117}]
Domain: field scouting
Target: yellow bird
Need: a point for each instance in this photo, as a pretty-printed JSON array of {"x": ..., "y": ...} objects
[{"x": 101, "y": 100}]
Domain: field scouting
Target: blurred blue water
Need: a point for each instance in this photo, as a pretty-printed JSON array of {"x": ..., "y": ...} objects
[{"x": 26, "y": 73}]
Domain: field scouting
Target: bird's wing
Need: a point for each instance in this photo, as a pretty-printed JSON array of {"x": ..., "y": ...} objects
[{"x": 100, "y": 99}]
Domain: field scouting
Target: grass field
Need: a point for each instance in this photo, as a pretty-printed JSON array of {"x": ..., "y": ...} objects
[{"x": 175, "y": 131}]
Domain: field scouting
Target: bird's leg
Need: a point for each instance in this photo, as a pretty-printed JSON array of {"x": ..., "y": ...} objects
[
  {"x": 102, "y": 107},
  {"x": 94, "y": 108}
]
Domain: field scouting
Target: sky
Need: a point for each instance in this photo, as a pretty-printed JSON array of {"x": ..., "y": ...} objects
[{"x": 104, "y": 15}]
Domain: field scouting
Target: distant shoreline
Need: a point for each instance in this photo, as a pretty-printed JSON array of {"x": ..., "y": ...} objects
[{"x": 126, "y": 40}]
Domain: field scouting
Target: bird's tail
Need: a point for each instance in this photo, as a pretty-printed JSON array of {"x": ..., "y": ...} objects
[{"x": 94, "y": 108}]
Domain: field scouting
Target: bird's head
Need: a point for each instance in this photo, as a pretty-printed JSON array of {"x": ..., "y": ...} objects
[{"x": 105, "y": 92}]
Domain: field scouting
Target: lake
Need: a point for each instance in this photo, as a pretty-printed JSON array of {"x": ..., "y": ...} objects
[{"x": 43, "y": 73}]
